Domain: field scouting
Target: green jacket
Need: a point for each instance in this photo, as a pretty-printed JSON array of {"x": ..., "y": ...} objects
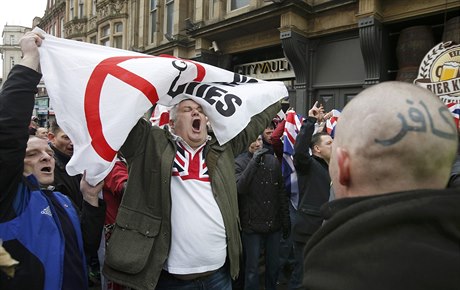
[{"x": 140, "y": 242}]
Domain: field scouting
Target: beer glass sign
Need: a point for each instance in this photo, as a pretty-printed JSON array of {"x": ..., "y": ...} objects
[{"x": 449, "y": 70}]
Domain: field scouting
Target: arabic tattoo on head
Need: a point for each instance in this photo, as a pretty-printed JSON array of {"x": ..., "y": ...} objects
[{"x": 419, "y": 124}]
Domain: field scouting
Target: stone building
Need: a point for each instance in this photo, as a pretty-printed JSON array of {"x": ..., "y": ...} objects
[
  {"x": 11, "y": 53},
  {"x": 326, "y": 50}
]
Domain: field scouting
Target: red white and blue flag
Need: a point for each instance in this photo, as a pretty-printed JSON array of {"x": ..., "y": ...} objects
[
  {"x": 454, "y": 108},
  {"x": 332, "y": 121},
  {"x": 291, "y": 129}
]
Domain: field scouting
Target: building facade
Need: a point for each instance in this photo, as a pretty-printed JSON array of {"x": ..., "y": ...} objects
[
  {"x": 325, "y": 50},
  {"x": 11, "y": 53}
]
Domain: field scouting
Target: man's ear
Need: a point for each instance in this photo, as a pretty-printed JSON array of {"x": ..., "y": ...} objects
[
  {"x": 171, "y": 124},
  {"x": 343, "y": 162},
  {"x": 50, "y": 136},
  {"x": 316, "y": 149}
]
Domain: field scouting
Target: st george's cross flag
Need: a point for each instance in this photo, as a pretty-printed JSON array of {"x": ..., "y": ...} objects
[
  {"x": 160, "y": 115},
  {"x": 99, "y": 93}
]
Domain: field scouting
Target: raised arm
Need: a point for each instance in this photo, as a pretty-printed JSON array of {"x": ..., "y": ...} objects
[
  {"x": 302, "y": 156},
  {"x": 16, "y": 105},
  {"x": 277, "y": 143}
]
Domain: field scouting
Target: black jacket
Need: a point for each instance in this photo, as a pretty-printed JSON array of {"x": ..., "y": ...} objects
[
  {"x": 314, "y": 184},
  {"x": 68, "y": 185},
  {"x": 262, "y": 200},
  {"x": 403, "y": 240},
  {"x": 454, "y": 181}
]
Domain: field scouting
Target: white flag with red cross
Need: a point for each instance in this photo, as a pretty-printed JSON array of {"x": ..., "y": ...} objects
[{"x": 99, "y": 93}]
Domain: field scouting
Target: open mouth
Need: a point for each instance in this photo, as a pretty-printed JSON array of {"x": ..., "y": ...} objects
[
  {"x": 46, "y": 169},
  {"x": 196, "y": 124}
]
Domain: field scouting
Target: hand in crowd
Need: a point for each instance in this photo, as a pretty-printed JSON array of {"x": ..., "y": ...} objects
[
  {"x": 317, "y": 111},
  {"x": 258, "y": 154},
  {"x": 29, "y": 45},
  {"x": 90, "y": 193},
  {"x": 327, "y": 116}
]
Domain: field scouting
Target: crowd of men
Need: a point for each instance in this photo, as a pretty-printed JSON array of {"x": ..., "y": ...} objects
[{"x": 181, "y": 211}]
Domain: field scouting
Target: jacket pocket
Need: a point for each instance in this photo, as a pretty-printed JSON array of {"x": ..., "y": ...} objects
[
  {"x": 310, "y": 210},
  {"x": 131, "y": 241}
]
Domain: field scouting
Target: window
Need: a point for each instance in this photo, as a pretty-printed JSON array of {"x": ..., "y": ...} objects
[
  {"x": 80, "y": 9},
  {"x": 118, "y": 35},
  {"x": 11, "y": 62},
  {"x": 118, "y": 42},
  {"x": 169, "y": 16},
  {"x": 211, "y": 9},
  {"x": 105, "y": 35},
  {"x": 105, "y": 31},
  {"x": 11, "y": 40},
  {"x": 236, "y": 4},
  {"x": 105, "y": 42},
  {"x": 118, "y": 27},
  {"x": 153, "y": 19},
  {"x": 71, "y": 10},
  {"x": 92, "y": 39},
  {"x": 93, "y": 7}
]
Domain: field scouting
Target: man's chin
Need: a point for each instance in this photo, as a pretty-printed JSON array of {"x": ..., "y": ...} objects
[{"x": 45, "y": 181}]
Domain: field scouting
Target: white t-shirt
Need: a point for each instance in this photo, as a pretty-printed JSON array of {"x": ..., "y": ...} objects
[{"x": 198, "y": 239}]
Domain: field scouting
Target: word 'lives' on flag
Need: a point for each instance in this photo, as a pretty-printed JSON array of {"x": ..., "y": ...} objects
[
  {"x": 99, "y": 93},
  {"x": 291, "y": 129}
]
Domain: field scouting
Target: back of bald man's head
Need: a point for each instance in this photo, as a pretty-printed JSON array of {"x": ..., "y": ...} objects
[{"x": 398, "y": 136}]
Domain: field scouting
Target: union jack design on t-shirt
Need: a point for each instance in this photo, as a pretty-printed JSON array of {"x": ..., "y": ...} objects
[{"x": 189, "y": 165}]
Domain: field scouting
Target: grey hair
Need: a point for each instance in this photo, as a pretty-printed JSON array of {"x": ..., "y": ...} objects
[{"x": 173, "y": 112}]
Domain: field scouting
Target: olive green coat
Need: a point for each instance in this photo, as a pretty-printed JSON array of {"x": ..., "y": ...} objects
[{"x": 140, "y": 242}]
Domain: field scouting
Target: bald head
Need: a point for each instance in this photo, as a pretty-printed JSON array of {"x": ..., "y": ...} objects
[{"x": 393, "y": 136}]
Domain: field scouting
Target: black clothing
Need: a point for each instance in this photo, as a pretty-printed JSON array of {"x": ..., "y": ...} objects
[
  {"x": 454, "y": 181},
  {"x": 14, "y": 125},
  {"x": 403, "y": 240},
  {"x": 262, "y": 200},
  {"x": 68, "y": 185},
  {"x": 73, "y": 277},
  {"x": 314, "y": 184}
]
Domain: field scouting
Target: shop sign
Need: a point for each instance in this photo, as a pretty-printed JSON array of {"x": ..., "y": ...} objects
[
  {"x": 267, "y": 70},
  {"x": 439, "y": 72}
]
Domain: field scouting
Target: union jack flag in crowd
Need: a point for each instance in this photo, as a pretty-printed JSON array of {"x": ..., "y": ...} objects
[
  {"x": 331, "y": 122},
  {"x": 454, "y": 108},
  {"x": 291, "y": 129}
]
